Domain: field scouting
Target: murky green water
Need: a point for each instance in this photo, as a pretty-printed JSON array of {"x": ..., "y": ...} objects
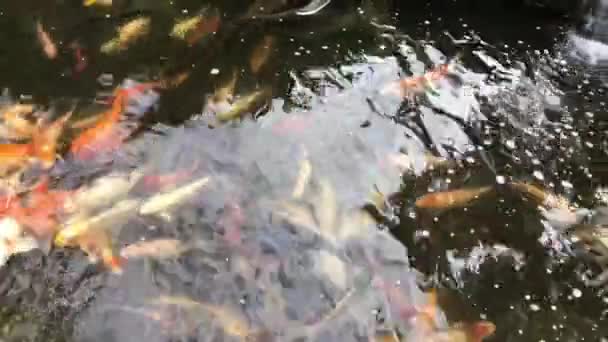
[{"x": 513, "y": 110}]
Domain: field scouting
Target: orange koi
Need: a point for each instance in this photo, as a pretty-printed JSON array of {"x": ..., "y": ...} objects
[
  {"x": 451, "y": 199},
  {"x": 103, "y": 136},
  {"x": 14, "y": 156}
]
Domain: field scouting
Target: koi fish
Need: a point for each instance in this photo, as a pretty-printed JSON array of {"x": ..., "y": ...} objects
[
  {"x": 245, "y": 104},
  {"x": 540, "y": 196},
  {"x": 19, "y": 127},
  {"x": 291, "y": 125},
  {"x": 173, "y": 81},
  {"x": 303, "y": 178},
  {"x": 14, "y": 157},
  {"x": 417, "y": 84},
  {"x": 93, "y": 234},
  {"x": 104, "y": 136},
  {"x": 458, "y": 332},
  {"x": 261, "y": 53},
  {"x": 80, "y": 57},
  {"x": 37, "y": 211},
  {"x": 107, "y": 189},
  {"x": 48, "y": 46},
  {"x": 222, "y": 97},
  {"x": 231, "y": 321},
  {"x": 163, "y": 202},
  {"x": 159, "y": 248},
  {"x": 451, "y": 199},
  {"x": 232, "y": 220},
  {"x": 128, "y": 34},
  {"x": 44, "y": 141},
  {"x": 385, "y": 336},
  {"x": 112, "y": 218},
  {"x": 42, "y": 212},
  {"x": 161, "y": 182},
  {"x": 104, "y": 3},
  {"x": 194, "y": 28},
  {"x": 465, "y": 332},
  {"x": 42, "y": 148}
]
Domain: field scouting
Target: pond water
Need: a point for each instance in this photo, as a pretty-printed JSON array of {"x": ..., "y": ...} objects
[{"x": 430, "y": 173}]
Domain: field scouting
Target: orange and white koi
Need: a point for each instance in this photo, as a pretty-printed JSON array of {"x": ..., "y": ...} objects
[{"x": 451, "y": 198}]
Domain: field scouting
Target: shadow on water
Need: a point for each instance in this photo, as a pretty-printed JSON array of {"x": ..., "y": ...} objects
[{"x": 294, "y": 237}]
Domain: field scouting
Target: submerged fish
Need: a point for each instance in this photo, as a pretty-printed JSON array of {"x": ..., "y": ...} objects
[
  {"x": 221, "y": 100},
  {"x": 416, "y": 85},
  {"x": 303, "y": 178},
  {"x": 103, "y": 3},
  {"x": 163, "y": 202},
  {"x": 14, "y": 157},
  {"x": 540, "y": 196},
  {"x": 45, "y": 140},
  {"x": 465, "y": 332},
  {"x": 46, "y": 42},
  {"x": 106, "y": 190},
  {"x": 195, "y": 28},
  {"x": 385, "y": 336},
  {"x": 94, "y": 234},
  {"x": 106, "y": 134},
  {"x": 231, "y": 321},
  {"x": 159, "y": 248},
  {"x": 249, "y": 103},
  {"x": 451, "y": 198},
  {"x": 41, "y": 149},
  {"x": 14, "y": 118},
  {"x": 128, "y": 34},
  {"x": 261, "y": 53}
]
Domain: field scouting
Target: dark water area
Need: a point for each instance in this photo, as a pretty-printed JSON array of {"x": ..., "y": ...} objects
[{"x": 312, "y": 262}]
